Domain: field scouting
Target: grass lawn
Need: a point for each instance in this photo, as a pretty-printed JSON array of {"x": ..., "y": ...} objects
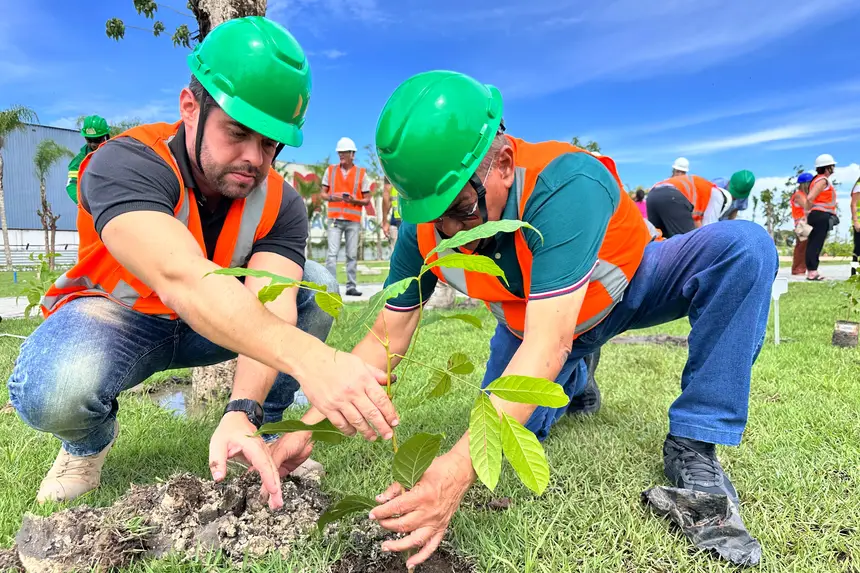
[
  {"x": 798, "y": 470},
  {"x": 10, "y": 288}
]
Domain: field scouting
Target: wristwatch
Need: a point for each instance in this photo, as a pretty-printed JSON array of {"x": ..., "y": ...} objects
[{"x": 251, "y": 408}]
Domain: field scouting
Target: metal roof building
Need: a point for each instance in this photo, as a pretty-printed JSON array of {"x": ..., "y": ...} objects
[{"x": 20, "y": 185}]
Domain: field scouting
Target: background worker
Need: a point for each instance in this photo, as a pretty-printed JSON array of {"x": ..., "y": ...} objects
[
  {"x": 347, "y": 189},
  {"x": 681, "y": 204},
  {"x": 680, "y": 167},
  {"x": 96, "y": 131},
  {"x": 855, "y": 222},
  {"x": 390, "y": 203},
  {"x": 801, "y": 227},
  {"x": 820, "y": 209}
]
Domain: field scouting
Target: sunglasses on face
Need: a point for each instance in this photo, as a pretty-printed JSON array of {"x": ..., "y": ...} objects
[{"x": 459, "y": 213}]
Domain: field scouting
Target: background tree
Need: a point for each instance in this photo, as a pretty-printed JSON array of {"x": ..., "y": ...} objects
[
  {"x": 48, "y": 152},
  {"x": 309, "y": 187},
  {"x": 374, "y": 169},
  {"x": 206, "y": 13},
  {"x": 776, "y": 204},
  {"x": 591, "y": 146},
  {"x": 11, "y": 119}
]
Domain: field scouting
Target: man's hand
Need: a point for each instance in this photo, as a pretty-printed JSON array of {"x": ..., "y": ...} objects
[
  {"x": 386, "y": 229},
  {"x": 425, "y": 511},
  {"x": 290, "y": 451},
  {"x": 349, "y": 393},
  {"x": 234, "y": 436},
  {"x": 857, "y": 226}
]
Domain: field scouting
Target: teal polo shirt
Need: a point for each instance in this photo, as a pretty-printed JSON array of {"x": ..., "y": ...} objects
[{"x": 573, "y": 200}]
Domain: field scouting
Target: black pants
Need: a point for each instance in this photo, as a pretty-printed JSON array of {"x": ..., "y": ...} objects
[
  {"x": 820, "y": 223},
  {"x": 670, "y": 211},
  {"x": 856, "y": 256}
]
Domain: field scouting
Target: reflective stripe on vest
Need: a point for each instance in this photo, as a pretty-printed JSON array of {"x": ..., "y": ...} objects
[
  {"x": 395, "y": 203},
  {"x": 826, "y": 200},
  {"x": 340, "y": 209},
  {"x": 618, "y": 258}
]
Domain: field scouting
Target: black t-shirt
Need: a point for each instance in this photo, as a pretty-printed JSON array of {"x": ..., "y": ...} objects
[{"x": 126, "y": 175}]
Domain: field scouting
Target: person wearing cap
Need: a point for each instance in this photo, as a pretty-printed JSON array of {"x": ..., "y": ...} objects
[
  {"x": 683, "y": 203},
  {"x": 821, "y": 209},
  {"x": 95, "y": 131},
  {"x": 161, "y": 207},
  {"x": 801, "y": 227},
  {"x": 589, "y": 275},
  {"x": 680, "y": 167},
  {"x": 347, "y": 189}
]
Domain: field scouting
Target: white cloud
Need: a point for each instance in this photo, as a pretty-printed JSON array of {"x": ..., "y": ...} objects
[
  {"x": 331, "y": 54},
  {"x": 631, "y": 39}
]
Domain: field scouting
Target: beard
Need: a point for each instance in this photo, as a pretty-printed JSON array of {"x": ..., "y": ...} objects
[{"x": 217, "y": 176}]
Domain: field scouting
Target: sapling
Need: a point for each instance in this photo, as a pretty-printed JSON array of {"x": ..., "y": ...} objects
[{"x": 492, "y": 434}]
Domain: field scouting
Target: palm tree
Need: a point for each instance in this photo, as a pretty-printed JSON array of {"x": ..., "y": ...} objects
[
  {"x": 47, "y": 153},
  {"x": 11, "y": 119}
]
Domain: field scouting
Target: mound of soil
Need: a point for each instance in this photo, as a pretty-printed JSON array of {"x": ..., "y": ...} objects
[
  {"x": 367, "y": 556},
  {"x": 186, "y": 514}
]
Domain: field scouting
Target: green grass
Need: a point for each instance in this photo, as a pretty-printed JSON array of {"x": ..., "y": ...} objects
[
  {"x": 798, "y": 470},
  {"x": 9, "y": 288}
]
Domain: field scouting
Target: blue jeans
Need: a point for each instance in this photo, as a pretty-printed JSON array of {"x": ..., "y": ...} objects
[
  {"x": 721, "y": 277},
  {"x": 72, "y": 368}
]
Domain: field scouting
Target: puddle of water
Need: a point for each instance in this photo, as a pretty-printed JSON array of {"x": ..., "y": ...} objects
[{"x": 176, "y": 399}]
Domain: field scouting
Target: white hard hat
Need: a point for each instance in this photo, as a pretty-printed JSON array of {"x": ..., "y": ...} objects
[
  {"x": 824, "y": 160},
  {"x": 681, "y": 164},
  {"x": 345, "y": 144}
]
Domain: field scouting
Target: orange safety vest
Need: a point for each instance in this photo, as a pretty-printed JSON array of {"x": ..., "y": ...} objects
[
  {"x": 696, "y": 189},
  {"x": 338, "y": 185},
  {"x": 826, "y": 200},
  {"x": 619, "y": 256},
  {"x": 98, "y": 273},
  {"x": 797, "y": 212}
]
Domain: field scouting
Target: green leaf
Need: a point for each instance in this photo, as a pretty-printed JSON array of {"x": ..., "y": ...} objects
[
  {"x": 321, "y": 432},
  {"x": 485, "y": 444},
  {"x": 528, "y": 390},
  {"x": 467, "y": 318},
  {"x": 340, "y": 509},
  {"x": 414, "y": 457},
  {"x": 459, "y": 364},
  {"x": 375, "y": 304},
  {"x": 270, "y": 292},
  {"x": 240, "y": 272},
  {"x": 481, "y": 232},
  {"x": 442, "y": 381},
  {"x": 329, "y": 303},
  {"x": 525, "y": 454},
  {"x": 474, "y": 263}
]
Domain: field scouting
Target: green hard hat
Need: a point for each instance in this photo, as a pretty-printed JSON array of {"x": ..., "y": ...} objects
[
  {"x": 95, "y": 126},
  {"x": 431, "y": 136},
  {"x": 259, "y": 75},
  {"x": 741, "y": 184}
]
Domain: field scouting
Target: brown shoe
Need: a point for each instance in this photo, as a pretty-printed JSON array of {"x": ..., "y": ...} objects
[{"x": 73, "y": 476}]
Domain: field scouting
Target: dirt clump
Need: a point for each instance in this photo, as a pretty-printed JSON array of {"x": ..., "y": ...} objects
[
  {"x": 186, "y": 515},
  {"x": 660, "y": 339},
  {"x": 366, "y": 555}
]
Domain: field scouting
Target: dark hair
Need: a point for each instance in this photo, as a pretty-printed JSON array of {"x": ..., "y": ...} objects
[
  {"x": 820, "y": 170},
  {"x": 200, "y": 93},
  {"x": 640, "y": 195}
]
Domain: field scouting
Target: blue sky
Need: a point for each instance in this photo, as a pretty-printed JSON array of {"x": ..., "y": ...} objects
[{"x": 762, "y": 85}]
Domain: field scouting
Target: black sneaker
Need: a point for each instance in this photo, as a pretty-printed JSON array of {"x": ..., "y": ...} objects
[
  {"x": 589, "y": 401},
  {"x": 352, "y": 291},
  {"x": 691, "y": 464}
]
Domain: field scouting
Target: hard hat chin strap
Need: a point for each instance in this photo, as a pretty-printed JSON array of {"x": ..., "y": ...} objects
[{"x": 198, "y": 139}]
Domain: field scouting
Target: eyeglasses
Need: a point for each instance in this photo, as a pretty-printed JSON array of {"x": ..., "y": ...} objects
[{"x": 461, "y": 214}]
